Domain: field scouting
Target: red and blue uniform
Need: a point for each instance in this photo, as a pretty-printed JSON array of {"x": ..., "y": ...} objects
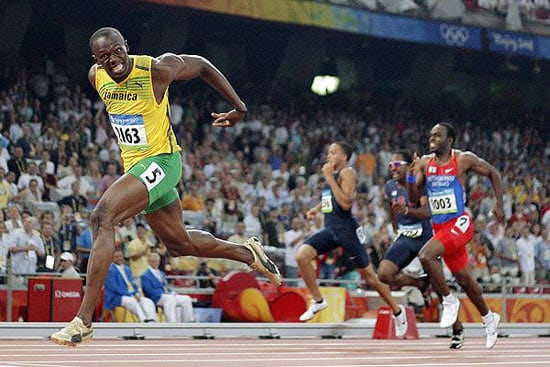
[{"x": 453, "y": 227}]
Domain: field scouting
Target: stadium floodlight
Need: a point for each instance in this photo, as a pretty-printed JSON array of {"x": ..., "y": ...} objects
[{"x": 327, "y": 81}]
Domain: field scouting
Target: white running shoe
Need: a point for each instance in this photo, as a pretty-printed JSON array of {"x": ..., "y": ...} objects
[
  {"x": 73, "y": 334},
  {"x": 314, "y": 308},
  {"x": 400, "y": 322},
  {"x": 492, "y": 331},
  {"x": 449, "y": 313}
]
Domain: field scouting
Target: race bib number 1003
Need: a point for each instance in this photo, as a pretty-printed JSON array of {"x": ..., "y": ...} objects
[{"x": 443, "y": 203}]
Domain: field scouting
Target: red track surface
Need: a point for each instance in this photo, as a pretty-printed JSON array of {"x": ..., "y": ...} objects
[{"x": 291, "y": 352}]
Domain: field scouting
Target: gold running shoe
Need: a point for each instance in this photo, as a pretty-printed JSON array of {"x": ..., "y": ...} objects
[
  {"x": 73, "y": 334},
  {"x": 261, "y": 262}
]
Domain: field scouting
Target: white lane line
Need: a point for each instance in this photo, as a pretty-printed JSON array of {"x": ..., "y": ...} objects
[{"x": 448, "y": 360}]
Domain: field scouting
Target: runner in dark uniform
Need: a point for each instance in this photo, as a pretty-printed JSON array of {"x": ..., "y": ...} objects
[{"x": 341, "y": 229}]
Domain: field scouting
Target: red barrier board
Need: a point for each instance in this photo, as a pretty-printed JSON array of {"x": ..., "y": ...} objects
[
  {"x": 18, "y": 307},
  {"x": 53, "y": 299},
  {"x": 65, "y": 299},
  {"x": 39, "y": 295}
]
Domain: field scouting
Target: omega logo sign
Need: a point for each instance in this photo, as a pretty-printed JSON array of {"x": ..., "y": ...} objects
[
  {"x": 454, "y": 35},
  {"x": 69, "y": 294}
]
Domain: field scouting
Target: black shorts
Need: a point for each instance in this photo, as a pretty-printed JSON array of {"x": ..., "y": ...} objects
[
  {"x": 348, "y": 235},
  {"x": 404, "y": 249}
]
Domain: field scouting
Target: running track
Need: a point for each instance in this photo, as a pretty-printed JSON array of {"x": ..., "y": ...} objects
[{"x": 291, "y": 352}]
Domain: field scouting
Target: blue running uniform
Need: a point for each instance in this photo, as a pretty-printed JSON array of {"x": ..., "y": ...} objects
[
  {"x": 412, "y": 233},
  {"x": 341, "y": 229}
]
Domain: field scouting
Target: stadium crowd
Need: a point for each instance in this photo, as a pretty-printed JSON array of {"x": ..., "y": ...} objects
[
  {"x": 531, "y": 10},
  {"x": 58, "y": 155}
]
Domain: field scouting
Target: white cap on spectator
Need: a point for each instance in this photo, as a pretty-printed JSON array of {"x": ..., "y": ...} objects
[{"x": 67, "y": 256}]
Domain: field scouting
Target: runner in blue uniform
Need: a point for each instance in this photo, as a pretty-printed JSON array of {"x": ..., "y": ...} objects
[{"x": 341, "y": 229}]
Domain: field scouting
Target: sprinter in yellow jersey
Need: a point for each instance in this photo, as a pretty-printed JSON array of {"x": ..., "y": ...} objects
[{"x": 135, "y": 92}]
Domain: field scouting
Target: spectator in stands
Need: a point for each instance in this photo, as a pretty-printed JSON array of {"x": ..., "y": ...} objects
[
  {"x": 263, "y": 187},
  {"x": 30, "y": 195},
  {"x": 121, "y": 290},
  {"x": 506, "y": 254},
  {"x": 210, "y": 275},
  {"x": 66, "y": 266},
  {"x": 26, "y": 177},
  {"x": 493, "y": 234},
  {"x": 26, "y": 142},
  {"x": 47, "y": 216},
  {"x": 239, "y": 235},
  {"x": 193, "y": 200},
  {"x": 252, "y": 222},
  {"x": 231, "y": 198},
  {"x": 25, "y": 249},
  {"x": 60, "y": 157},
  {"x": 16, "y": 129},
  {"x": 5, "y": 190},
  {"x": 176, "y": 307},
  {"x": 84, "y": 248},
  {"x": 284, "y": 216},
  {"x": 521, "y": 214},
  {"x": 247, "y": 186},
  {"x": 49, "y": 140},
  {"x": 109, "y": 178},
  {"x": 138, "y": 252},
  {"x": 18, "y": 164},
  {"x": 14, "y": 220},
  {"x": 75, "y": 200},
  {"x": 68, "y": 230},
  {"x": 49, "y": 179},
  {"x": 52, "y": 248},
  {"x": 92, "y": 175},
  {"x": 11, "y": 179},
  {"x": 273, "y": 229},
  {"x": 278, "y": 196},
  {"x": 526, "y": 256},
  {"x": 65, "y": 184}
]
